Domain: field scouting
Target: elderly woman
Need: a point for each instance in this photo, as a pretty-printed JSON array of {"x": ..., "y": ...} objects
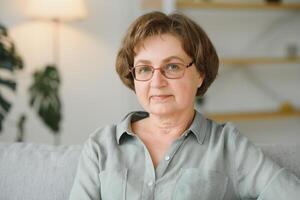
[{"x": 171, "y": 151}]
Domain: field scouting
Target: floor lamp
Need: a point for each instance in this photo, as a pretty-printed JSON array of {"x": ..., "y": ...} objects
[{"x": 56, "y": 11}]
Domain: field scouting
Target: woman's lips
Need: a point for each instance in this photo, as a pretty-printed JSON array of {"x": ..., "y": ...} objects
[{"x": 160, "y": 97}]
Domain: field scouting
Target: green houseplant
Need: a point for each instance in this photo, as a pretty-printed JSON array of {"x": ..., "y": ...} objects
[
  {"x": 44, "y": 90},
  {"x": 9, "y": 61}
]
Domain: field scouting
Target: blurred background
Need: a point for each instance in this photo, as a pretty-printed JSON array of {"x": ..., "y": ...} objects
[{"x": 58, "y": 81}]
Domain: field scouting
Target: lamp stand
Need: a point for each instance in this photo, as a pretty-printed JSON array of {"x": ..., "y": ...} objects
[{"x": 56, "y": 42}]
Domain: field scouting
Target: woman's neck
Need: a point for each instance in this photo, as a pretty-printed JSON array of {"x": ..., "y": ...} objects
[{"x": 169, "y": 125}]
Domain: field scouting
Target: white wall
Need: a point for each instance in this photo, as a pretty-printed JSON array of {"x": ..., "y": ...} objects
[{"x": 93, "y": 95}]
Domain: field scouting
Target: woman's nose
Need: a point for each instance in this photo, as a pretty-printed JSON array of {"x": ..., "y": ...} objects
[{"x": 158, "y": 79}]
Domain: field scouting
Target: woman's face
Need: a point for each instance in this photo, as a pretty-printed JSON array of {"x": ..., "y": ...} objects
[{"x": 160, "y": 95}]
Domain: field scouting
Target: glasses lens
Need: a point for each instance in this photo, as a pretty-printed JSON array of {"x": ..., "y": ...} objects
[
  {"x": 173, "y": 70},
  {"x": 143, "y": 72}
]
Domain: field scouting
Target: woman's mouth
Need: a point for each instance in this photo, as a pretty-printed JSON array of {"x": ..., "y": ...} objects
[{"x": 160, "y": 97}]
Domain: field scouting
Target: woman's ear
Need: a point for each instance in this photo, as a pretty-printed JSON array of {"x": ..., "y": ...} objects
[{"x": 201, "y": 79}]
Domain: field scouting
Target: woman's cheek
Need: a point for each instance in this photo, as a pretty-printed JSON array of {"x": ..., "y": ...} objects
[{"x": 142, "y": 95}]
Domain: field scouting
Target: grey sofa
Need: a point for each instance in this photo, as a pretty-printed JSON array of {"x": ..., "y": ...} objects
[{"x": 45, "y": 172}]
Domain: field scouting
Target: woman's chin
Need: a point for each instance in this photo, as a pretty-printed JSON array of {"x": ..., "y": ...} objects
[{"x": 161, "y": 110}]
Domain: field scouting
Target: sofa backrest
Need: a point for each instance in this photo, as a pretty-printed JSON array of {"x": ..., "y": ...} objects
[
  {"x": 45, "y": 172},
  {"x": 287, "y": 156}
]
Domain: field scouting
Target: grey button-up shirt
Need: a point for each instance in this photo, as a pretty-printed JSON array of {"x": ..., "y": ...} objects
[{"x": 208, "y": 162}]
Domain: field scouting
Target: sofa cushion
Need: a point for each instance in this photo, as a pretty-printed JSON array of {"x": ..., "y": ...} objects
[{"x": 37, "y": 171}]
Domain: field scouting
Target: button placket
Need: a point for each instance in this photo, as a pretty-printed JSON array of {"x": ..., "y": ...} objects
[
  {"x": 167, "y": 159},
  {"x": 149, "y": 178}
]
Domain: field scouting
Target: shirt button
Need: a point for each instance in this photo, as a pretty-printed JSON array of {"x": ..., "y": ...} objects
[
  {"x": 150, "y": 183},
  {"x": 167, "y": 158}
]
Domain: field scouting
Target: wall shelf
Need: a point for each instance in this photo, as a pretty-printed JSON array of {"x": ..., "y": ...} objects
[
  {"x": 231, "y": 5},
  {"x": 259, "y": 60},
  {"x": 286, "y": 110},
  {"x": 198, "y": 4},
  {"x": 248, "y": 116}
]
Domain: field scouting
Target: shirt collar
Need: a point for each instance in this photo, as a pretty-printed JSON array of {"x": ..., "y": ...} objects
[
  {"x": 198, "y": 126},
  {"x": 124, "y": 127}
]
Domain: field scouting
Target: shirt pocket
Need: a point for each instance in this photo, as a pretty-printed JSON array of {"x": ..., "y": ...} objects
[
  {"x": 196, "y": 184},
  {"x": 113, "y": 184}
]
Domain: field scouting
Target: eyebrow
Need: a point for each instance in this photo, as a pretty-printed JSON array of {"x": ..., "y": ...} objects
[{"x": 164, "y": 60}]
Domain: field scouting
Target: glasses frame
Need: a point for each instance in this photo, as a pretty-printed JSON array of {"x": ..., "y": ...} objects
[{"x": 160, "y": 69}]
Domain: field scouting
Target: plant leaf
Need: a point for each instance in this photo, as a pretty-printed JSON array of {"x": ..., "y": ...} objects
[
  {"x": 5, "y": 105},
  {"x": 44, "y": 96},
  {"x": 3, "y": 30},
  {"x": 8, "y": 83}
]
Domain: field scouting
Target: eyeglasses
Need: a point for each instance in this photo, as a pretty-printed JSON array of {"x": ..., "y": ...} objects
[{"x": 170, "y": 71}]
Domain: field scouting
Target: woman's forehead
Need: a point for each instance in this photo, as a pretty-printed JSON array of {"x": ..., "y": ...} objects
[
  {"x": 165, "y": 47},
  {"x": 160, "y": 39}
]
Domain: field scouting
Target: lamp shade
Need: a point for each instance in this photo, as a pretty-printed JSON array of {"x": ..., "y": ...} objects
[{"x": 65, "y": 10}]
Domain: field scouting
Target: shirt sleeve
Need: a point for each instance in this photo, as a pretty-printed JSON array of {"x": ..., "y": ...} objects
[
  {"x": 257, "y": 176},
  {"x": 86, "y": 183}
]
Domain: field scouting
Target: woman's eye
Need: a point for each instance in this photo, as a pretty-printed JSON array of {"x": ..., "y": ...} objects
[
  {"x": 172, "y": 67},
  {"x": 143, "y": 69}
]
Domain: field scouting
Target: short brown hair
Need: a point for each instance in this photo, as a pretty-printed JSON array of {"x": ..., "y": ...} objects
[{"x": 194, "y": 40}]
